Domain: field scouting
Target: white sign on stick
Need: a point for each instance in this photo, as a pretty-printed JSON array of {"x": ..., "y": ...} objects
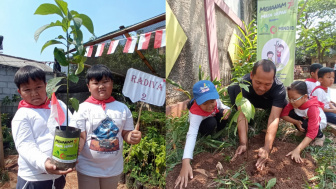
[{"x": 141, "y": 86}]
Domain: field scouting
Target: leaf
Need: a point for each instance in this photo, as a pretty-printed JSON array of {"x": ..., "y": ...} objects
[
  {"x": 239, "y": 98},
  {"x": 73, "y": 78},
  {"x": 235, "y": 116},
  {"x": 174, "y": 83},
  {"x": 60, "y": 57},
  {"x": 50, "y": 42},
  {"x": 41, "y": 29},
  {"x": 87, "y": 22},
  {"x": 271, "y": 183},
  {"x": 74, "y": 103},
  {"x": 248, "y": 109},
  {"x": 77, "y": 23},
  {"x": 80, "y": 68},
  {"x": 63, "y": 6},
  {"x": 61, "y": 37},
  {"x": 52, "y": 85},
  {"x": 73, "y": 12},
  {"x": 80, "y": 49},
  {"x": 48, "y": 8},
  {"x": 258, "y": 185},
  {"x": 244, "y": 86},
  {"x": 78, "y": 37}
]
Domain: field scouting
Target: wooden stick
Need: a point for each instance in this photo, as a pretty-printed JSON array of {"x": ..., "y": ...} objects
[
  {"x": 136, "y": 128},
  {"x": 138, "y": 122}
]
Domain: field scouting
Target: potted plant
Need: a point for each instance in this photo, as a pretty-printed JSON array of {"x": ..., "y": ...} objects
[{"x": 66, "y": 140}]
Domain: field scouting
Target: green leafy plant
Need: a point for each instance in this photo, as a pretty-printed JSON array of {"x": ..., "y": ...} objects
[
  {"x": 9, "y": 101},
  {"x": 238, "y": 179},
  {"x": 246, "y": 50},
  {"x": 154, "y": 119},
  {"x": 326, "y": 170},
  {"x": 70, "y": 23},
  {"x": 146, "y": 162}
]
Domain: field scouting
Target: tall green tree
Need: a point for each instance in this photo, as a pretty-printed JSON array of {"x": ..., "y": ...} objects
[{"x": 316, "y": 28}]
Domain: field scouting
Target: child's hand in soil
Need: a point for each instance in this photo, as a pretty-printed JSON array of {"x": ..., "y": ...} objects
[
  {"x": 263, "y": 158},
  {"x": 298, "y": 124},
  {"x": 185, "y": 172},
  {"x": 51, "y": 168},
  {"x": 295, "y": 155},
  {"x": 241, "y": 149}
]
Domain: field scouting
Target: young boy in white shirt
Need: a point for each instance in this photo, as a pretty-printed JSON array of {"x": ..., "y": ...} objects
[
  {"x": 104, "y": 123},
  {"x": 32, "y": 137},
  {"x": 326, "y": 77},
  {"x": 312, "y": 82}
]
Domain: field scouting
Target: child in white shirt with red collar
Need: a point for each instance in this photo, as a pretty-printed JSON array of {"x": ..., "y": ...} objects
[
  {"x": 312, "y": 82},
  {"x": 104, "y": 123},
  {"x": 306, "y": 113},
  {"x": 326, "y": 77},
  {"x": 205, "y": 116},
  {"x": 33, "y": 139}
]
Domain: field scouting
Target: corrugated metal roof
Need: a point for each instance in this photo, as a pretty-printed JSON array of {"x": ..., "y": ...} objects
[{"x": 18, "y": 62}]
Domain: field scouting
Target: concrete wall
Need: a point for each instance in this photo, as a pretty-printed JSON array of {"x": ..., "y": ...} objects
[
  {"x": 328, "y": 61},
  {"x": 191, "y": 16}
]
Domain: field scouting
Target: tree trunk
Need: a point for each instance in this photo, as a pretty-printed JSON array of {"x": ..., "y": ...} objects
[
  {"x": 301, "y": 10},
  {"x": 2, "y": 156}
]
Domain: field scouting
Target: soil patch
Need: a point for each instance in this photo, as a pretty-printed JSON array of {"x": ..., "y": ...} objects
[{"x": 288, "y": 173}]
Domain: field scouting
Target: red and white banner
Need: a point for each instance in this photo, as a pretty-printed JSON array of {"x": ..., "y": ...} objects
[
  {"x": 130, "y": 44},
  {"x": 113, "y": 46},
  {"x": 100, "y": 49},
  {"x": 160, "y": 38},
  {"x": 144, "y": 40},
  {"x": 88, "y": 51},
  {"x": 141, "y": 86}
]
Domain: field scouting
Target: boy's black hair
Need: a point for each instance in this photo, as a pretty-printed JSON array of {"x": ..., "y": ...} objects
[
  {"x": 25, "y": 73},
  {"x": 97, "y": 72},
  {"x": 323, "y": 71},
  {"x": 281, "y": 46},
  {"x": 299, "y": 86},
  {"x": 267, "y": 66},
  {"x": 270, "y": 52},
  {"x": 315, "y": 67}
]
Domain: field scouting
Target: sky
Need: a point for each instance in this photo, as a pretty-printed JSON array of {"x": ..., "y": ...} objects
[{"x": 18, "y": 22}]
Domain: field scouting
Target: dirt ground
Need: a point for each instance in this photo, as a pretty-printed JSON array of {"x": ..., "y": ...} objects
[
  {"x": 12, "y": 167},
  {"x": 288, "y": 173}
]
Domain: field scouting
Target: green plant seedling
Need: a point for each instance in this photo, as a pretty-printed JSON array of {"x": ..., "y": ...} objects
[{"x": 70, "y": 23}]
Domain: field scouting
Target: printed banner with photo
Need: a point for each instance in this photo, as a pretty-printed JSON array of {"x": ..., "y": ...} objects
[{"x": 276, "y": 35}]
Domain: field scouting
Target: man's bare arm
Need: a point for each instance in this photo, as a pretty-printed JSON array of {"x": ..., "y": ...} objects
[{"x": 272, "y": 127}]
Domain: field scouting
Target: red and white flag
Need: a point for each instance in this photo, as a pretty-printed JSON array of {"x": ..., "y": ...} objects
[
  {"x": 100, "y": 49},
  {"x": 57, "y": 116},
  {"x": 160, "y": 38},
  {"x": 144, "y": 40},
  {"x": 113, "y": 46},
  {"x": 130, "y": 44},
  {"x": 88, "y": 51}
]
